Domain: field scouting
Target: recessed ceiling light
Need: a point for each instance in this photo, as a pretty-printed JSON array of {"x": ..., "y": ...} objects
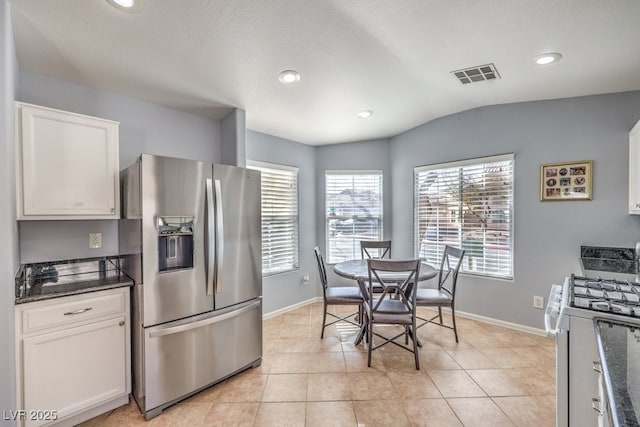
[
  {"x": 365, "y": 114},
  {"x": 547, "y": 58},
  {"x": 128, "y": 5},
  {"x": 289, "y": 76}
]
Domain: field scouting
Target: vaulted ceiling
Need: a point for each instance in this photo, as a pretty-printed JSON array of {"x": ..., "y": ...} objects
[{"x": 392, "y": 57}]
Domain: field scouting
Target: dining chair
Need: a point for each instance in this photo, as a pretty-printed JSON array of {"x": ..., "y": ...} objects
[
  {"x": 375, "y": 249},
  {"x": 394, "y": 305},
  {"x": 338, "y": 295},
  {"x": 445, "y": 294}
]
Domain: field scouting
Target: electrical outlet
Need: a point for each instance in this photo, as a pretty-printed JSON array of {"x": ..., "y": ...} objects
[
  {"x": 305, "y": 280},
  {"x": 95, "y": 240},
  {"x": 538, "y": 302}
]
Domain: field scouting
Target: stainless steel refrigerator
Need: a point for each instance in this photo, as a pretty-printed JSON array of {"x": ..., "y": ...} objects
[{"x": 190, "y": 237}]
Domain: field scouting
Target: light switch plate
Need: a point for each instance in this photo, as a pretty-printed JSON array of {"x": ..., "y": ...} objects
[{"x": 95, "y": 240}]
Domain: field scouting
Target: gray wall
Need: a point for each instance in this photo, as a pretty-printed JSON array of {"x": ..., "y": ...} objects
[
  {"x": 547, "y": 235},
  {"x": 285, "y": 289},
  {"x": 144, "y": 128},
  {"x": 364, "y": 155},
  {"x": 65, "y": 240},
  {"x": 8, "y": 229},
  {"x": 233, "y": 135}
]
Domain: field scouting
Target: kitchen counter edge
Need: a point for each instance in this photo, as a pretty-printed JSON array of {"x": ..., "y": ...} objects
[{"x": 90, "y": 287}]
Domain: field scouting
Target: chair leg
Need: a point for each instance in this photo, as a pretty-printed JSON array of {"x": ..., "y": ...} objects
[
  {"x": 324, "y": 320},
  {"x": 366, "y": 329},
  {"x": 440, "y": 314},
  {"x": 370, "y": 339},
  {"x": 453, "y": 319},
  {"x": 415, "y": 346}
]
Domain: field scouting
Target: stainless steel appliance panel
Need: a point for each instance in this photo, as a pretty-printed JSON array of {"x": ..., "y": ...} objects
[
  {"x": 131, "y": 204},
  {"x": 173, "y": 187},
  {"x": 238, "y": 252},
  {"x": 185, "y": 356},
  {"x": 137, "y": 347},
  {"x": 130, "y": 226}
]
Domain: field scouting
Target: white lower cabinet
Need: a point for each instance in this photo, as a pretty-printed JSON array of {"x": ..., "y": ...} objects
[{"x": 80, "y": 367}]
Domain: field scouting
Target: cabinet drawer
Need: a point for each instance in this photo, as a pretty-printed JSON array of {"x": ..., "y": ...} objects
[{"x": 71, "y": 312}]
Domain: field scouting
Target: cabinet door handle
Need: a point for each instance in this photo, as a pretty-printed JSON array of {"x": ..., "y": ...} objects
[
  {"x": 82, "y": 310},
  {"x": 597, "y": 367},
  {"x": 122, "y": 322}
]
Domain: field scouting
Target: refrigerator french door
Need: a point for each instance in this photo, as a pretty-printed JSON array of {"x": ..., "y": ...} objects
[
  {"x": 190, "y": 238},
  {"x": 238, "y": 225}
]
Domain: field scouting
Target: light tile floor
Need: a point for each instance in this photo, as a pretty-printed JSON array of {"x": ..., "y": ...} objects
[{"x": 493, "y": 377}]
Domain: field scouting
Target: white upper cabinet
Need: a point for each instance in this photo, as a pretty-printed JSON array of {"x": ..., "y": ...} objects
[
  {"x": 634, "y": 170},
  {"x": 66, "y": 165}
]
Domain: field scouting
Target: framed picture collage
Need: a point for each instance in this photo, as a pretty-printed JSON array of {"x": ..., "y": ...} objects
[{"x": 566, "y": 181}]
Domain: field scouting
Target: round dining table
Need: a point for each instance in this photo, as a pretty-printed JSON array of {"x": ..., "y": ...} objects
[{"x": 358, "y": 270}]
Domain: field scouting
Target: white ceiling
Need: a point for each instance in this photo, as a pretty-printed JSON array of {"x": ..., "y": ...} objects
[{"x": 393, "y": 57}]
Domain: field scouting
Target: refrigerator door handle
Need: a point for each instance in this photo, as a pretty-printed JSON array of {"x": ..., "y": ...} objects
[
  {"x": 210, "y": 236},
  {"x": 201, "y": 323},
  {"x": 219, "y": 237}
]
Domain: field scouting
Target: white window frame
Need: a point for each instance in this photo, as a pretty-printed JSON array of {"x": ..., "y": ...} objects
[
  {"x": 496, "y": 262},
  {"x": 269, "y": 267},
  {"x": 330, "y": 217}
]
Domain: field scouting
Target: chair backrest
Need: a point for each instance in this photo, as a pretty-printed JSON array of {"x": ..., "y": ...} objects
[
  {"x": 449, "y": 269},
  {"x": 322, "y": 269},
  {"x": 397, "y": 279},
  {"x": 382, "y": 249}
]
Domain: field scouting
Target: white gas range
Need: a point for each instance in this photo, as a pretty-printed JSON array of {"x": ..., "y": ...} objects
[{"x": 570, "y": 317}]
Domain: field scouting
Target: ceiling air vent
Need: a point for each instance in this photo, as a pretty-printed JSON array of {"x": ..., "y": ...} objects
[{"x": 478, "y": 73}]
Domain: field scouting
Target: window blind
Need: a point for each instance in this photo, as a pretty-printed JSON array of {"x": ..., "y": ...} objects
[
  {"x": 353, "y": 212},
  {"x": 279, "y": 217},
  {"x": 469, "y": 205}
]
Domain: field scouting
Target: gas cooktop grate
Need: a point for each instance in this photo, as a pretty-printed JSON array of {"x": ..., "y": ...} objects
[{"x": 612, "y": 296}]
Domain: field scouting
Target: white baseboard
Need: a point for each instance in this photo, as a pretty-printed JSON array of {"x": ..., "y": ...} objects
[
  {"x": 287, "y": 309},
  {"x": 504, "y": 324},
  {"x": 471, "y": 316}
]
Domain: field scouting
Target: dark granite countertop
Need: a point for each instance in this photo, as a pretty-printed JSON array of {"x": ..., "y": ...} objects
[
  {"x": 41, "y": 281},
  {"x": 619, "y": 348}
]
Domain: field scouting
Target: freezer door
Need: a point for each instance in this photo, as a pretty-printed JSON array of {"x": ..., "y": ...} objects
[
  {"x": 238, "y": 251},
  {"x": 185, "y": 356},
  {"x": 173, "y": 189}
]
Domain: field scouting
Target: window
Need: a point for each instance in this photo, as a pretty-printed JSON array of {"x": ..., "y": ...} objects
[
  {"x": 467, "y": 204},
  {"x": 353, "y": 212},
  {"x": 279, "y": 217}
]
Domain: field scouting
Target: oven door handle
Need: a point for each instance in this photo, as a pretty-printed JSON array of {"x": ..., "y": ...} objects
[{"x": 553, "y": 311}]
